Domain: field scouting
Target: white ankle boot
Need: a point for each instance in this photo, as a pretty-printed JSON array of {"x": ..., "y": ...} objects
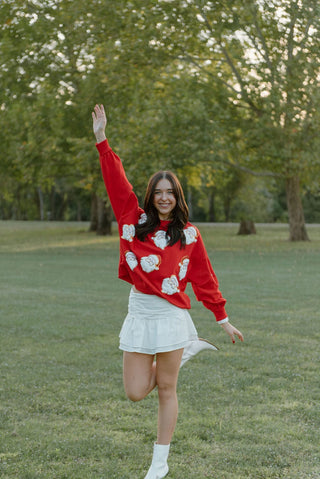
[
  {"x": 194, "y": 347},
  {"x": 159, "y": 466}
]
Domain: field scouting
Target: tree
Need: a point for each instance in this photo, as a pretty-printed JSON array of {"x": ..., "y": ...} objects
[
  {"x": 48, "y": 51},
  {"x": 188, "y": 84},
  {"x": 264, "y": 57}
]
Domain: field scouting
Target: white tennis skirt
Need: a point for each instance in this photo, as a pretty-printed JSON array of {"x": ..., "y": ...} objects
[{"x": 153, "y": 325}]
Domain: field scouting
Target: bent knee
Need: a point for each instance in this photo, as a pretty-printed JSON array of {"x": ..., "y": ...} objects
[{"x": 135, "y": 395}]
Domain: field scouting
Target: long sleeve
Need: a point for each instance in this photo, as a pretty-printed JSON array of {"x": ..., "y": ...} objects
[
  {"x": 152, "y": 265},
  {"x": 123, "y": 200},
  {"x": 204, "y": 281}
]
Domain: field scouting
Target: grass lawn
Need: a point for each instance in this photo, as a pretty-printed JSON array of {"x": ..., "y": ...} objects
[{"x": 250, "y": 410}]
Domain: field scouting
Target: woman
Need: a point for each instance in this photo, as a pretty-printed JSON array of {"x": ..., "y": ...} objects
[{"x": 160, "y": 252}]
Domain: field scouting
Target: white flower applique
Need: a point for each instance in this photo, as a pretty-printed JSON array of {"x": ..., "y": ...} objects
[
  {"x": 142, "y": 219},
  {"x": 131, "y": 259},
  {"x": 150, "y": 263},
  {"x": 128, "y": 232},
  {"x": 160, "y": 239},
  {"x": 190, "y": 234},
  {"x": 183, "y": 267},
  {"x": 170, "y": 285}
]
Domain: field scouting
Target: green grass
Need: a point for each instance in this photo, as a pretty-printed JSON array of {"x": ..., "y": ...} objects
[{"x": 249, "y": 411}]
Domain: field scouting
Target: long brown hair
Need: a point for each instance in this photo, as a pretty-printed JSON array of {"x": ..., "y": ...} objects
[{"x": 179, "y": 215}]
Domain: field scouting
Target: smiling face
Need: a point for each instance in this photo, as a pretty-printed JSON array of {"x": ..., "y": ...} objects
[{"x": 163, "y": 199}]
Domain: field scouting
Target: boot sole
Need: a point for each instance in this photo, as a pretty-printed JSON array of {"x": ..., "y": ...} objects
[{"x": 211, "y": 344}]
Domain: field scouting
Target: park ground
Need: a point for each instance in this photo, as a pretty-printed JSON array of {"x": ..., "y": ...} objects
[{"x": 249, "y": 411}]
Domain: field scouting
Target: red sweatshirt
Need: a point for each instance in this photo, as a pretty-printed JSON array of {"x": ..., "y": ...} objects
[{"x": 151, "y": 265}]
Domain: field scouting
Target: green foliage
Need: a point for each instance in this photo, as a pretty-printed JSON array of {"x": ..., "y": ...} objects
[
  {"x": 264, "y": 57},
  {"x": 192, "y": 86}
]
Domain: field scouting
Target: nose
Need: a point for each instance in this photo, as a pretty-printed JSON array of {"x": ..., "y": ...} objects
[{"x": 164, "y": 195}]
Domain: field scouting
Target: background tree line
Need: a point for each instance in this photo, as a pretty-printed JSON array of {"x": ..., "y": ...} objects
[{"x": 226, "y": 94}]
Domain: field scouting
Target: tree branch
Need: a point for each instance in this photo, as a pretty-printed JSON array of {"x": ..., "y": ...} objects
[
  {"x": 252, "y": 172},
  {"x": 306, "y": 34},
  {"x": 231, "y": 64},
  {"x": 190, "y": 59},
  {"x": 255, "y": 44},
  {"x": 264, "y": 44},
  {"x": 246, "y": 170},
  {"x": 289, "y": 72}
]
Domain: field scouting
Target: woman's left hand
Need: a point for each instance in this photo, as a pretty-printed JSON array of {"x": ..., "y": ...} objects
[{"x": 232, "y": 331}]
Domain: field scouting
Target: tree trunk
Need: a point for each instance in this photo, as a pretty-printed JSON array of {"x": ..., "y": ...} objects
[
  {"x": 104, "y": 217},
  {"x": 60, "y": 211},
  {"x": 212, "y": 211},
  {"x": 93, "y": 213},
  {"x": 297, "y": 226},
  {"x": 226, "y": 208},
  {"x": 189, "y": 203},
  {"x": 79, "y": 211},
  {"x": 52, "y": 213},
  {"x": 41, "y": 202},
  {"x": 247, "y": 228}
]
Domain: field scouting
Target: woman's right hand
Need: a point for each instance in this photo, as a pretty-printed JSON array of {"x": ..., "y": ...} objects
[{"x": 99, "y": 123}]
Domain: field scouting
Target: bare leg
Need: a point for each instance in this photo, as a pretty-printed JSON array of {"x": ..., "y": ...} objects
[
  {"x": 167, "y": 371},
  {"x": 139, "y": 375}
]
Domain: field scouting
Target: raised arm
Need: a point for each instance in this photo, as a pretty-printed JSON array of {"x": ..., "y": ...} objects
[{"x": 123, "y": 200}]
